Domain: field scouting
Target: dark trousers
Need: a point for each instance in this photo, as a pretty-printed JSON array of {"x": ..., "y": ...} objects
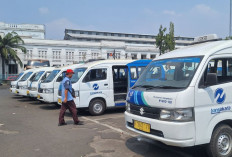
[{"x": 70, "y": 105}]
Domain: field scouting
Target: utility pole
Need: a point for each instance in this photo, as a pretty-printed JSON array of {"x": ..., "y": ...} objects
[
  {"x": 114, "y": 54},
  {"x": 230, "y": 18}
]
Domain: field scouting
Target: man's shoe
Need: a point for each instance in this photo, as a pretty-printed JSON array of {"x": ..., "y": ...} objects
[
  {"x": 60, "y": 124},
  {"x": 79, "y": 123}
]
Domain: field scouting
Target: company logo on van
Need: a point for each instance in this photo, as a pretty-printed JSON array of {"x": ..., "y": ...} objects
[
  {"x": 95, "y": 86},
  {"x": 220, "y": 96}
]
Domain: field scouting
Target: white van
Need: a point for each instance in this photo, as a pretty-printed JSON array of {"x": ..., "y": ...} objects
[
  {"x": 49, "y": 87},
  {"x": 99, "y": 85},
  {"x": 39, "y": 77},
  {"x": 192, "y": 105},
  {"x": 13, "y": 84},
  {"x": 24, "y": 82}
]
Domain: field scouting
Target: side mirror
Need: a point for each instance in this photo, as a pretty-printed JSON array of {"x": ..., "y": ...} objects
[{"x": 211, "y": 79}]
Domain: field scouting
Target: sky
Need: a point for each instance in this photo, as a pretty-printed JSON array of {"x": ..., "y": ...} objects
[{"x": 191, "y": 17}]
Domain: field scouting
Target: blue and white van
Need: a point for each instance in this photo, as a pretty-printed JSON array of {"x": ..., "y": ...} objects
[
  {"x": 25, "y": 81},
  {"x": 192, "y": 104},
  {"x": 39, "y": 77},
  {"x": 48, "y": 89},
  {"x": 100, "y": 85},
  {"x": 135, "y": 69},
  {"x": 13, "y": 84}
]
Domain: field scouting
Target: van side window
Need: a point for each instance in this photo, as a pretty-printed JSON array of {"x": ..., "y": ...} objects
[
  {"x": 133, "y": 73},
  {"x": 32, "y": 77},
  {"x": 61, "y": 77},
  {"x": 222, "y": 67},
  {"x": 96, "y": 75},
  {"x": 140, "y": 70}
]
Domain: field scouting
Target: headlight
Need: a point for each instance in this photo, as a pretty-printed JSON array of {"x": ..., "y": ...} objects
[
  {"x": 33, "y": 89},
  {"x": 77, "y": 93},
  {"x": 183, "y": 115},
  {"x": 48, "y": 90},
  {"x": 23, "y": 87},
  {"x": 128, "y": 107}
]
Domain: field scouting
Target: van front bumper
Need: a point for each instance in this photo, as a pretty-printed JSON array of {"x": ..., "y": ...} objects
[
  {"x": 181, "y": 134},
  {"x": 33, "y": 94},
  {"x": 12, "y": 90},
  {"x": 23, "y": 92},
  {"x": 45, "y": 97}
]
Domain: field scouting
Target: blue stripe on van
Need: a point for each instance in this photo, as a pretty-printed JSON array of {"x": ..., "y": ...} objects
[{"x": 120, "y": 104}]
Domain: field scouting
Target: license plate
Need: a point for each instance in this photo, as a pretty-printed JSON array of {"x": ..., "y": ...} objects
[
  {"x": 142, "y": 126},
  {"x": 28, "y": 92},
  {"x": 38, "y": 96},
  {"x": 59, "y": 101}
]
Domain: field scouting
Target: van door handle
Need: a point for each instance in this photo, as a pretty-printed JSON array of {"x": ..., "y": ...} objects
[{"x": 106, "y": 84}]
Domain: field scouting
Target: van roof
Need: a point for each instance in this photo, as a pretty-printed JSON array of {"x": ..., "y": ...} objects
[
  {"x": 91, "y": 64},
  {"x": 139, "y": 62},
  {"x": 67, "y": 66},
  {"x": 203, "y": 49}
]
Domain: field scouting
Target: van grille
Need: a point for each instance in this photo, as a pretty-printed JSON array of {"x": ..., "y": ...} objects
[{"x": 149, "y": 112}]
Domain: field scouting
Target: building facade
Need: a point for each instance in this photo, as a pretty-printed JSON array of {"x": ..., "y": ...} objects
[
  {"x": 33, "y": 31},
  {"x": 82, "y": 45}
]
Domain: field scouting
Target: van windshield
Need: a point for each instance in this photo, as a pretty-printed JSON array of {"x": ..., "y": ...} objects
[
  {"x": 26, "y": 76},
  {"x": 19, "y": 76},
  {"x": 169, "y": 73},
  {"x": 37, "y": 76},
  {"x": 77, "y": 74},
  {"x": 51, "y": 76}
]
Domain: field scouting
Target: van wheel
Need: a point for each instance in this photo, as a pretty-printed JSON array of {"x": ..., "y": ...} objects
[
  {"x": 221, "y": 142},
  {"x": 97, "y": 107}
]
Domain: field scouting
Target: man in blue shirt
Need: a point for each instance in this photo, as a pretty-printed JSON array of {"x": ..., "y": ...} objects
[{"x": 67, "y": 99}]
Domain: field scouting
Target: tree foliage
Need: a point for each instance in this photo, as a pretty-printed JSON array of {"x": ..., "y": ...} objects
[
  {"x": 165, "y": 42},
  {"x": 228, "y": 38},
  {"x": 8, "y": 45}
]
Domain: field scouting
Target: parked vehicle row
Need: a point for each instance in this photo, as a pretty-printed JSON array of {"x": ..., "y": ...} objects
[{"x": 98, "y": 85}]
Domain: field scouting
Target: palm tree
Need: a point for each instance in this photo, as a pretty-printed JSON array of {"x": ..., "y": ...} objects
[{"x": 8, "y": 45}]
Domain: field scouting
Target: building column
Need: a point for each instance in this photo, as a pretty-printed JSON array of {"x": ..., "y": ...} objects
[{"x": 148, "y": 56}]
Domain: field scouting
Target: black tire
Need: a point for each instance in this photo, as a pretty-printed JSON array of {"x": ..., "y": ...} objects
[
  {"x": 221, "y": 138},
  {"x": 97, "y": 107}
]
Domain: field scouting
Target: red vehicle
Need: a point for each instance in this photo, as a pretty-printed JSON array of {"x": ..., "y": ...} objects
[{"x": 11, "y": 78}]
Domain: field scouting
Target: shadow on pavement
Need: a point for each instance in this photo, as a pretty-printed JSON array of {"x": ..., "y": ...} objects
[
  {"x": 37, "y": 103},
  {"x": 49, "y": 107},
  {"x": 150, "y": 148},
  {"x": 82, "y": 112},
  {"x": 17, "y": 97}
]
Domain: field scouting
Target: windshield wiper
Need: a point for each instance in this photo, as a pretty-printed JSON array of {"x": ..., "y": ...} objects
[
  {"x": 144, "y": 86},
  {"x": 148, "y": 87},
  {"x": 169, "y": 87}
]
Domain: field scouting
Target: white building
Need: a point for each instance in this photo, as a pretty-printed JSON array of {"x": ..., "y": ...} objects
[
  {"x": 24, "y": 30},
  {"x": 82, "y": 45}
]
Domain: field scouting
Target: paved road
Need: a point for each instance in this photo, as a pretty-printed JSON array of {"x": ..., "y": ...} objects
[{"x": 29, "y": 129}]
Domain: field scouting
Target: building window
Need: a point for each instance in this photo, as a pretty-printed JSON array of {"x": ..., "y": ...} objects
[
  {"x": 70, "y": 55},
  {"x": 82, "y": 55},
  {"x": 28, "y": 55},
  {"x": 56, "y": 54},
  {"x": 153, "y": 56},
  {"x": 43, "y": 54},
  {"x": 133, "y": 56},
  {"x": 143, "y": 56},
  {"x": 94, "y": 54}
]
